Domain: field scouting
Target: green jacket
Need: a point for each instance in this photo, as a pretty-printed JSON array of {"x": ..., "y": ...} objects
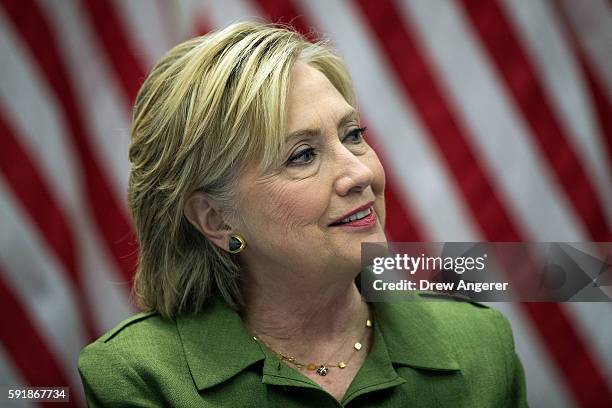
[{"x": 424, "y": 354}]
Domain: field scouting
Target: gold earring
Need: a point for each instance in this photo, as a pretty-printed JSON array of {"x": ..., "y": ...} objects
[{"x": 236, "y": 244}]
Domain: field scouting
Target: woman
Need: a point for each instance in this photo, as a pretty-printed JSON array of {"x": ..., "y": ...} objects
[{"x": 252, "y": 189}]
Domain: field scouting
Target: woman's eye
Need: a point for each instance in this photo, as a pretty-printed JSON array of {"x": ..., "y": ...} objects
[
  {"x": 304, "y": 156},
  {"x": 355, "y": 136}
]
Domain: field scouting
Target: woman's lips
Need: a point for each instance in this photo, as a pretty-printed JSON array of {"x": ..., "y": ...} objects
[
  {"x": 366, "y": 221},
  {"x": 355, "y": 211}
]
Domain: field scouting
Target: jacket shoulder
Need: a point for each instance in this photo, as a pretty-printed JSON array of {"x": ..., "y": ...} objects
[
  {"x": 461, "y": 320},
  {"x": 136, "y": 341},
  {"x": 140, "y": 317},
  {"x": 143, "y": 333},
  {"x": 465, "y": 316},
  {"x": 446, "y": 297},
  {"x": 482, "y": 340},
  {"x": 117, "y": 368}
]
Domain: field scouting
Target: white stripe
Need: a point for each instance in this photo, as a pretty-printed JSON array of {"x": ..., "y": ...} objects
[
  {"x": 593, "y": 25},
  {"x": 225, "y": 12},
  {"x": 105, "y": 112},
  {"x": 495, "y": 128},
  {"x": 34, "y": 115},
  {"x": 10, "y": 377},
  {"x": 565, "y": 87},
  {"x": 184, "y": 14},
  {"x": 38, "y": 281},
  {"x": 423, "y": 180},
  {"x": 544, "y": 385},
  {"x": 190, "y": 14},
  {"x": 150, "y": 26}
]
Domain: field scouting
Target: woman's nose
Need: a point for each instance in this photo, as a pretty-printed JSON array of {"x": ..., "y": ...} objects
[{"x": 353, "y": 174}]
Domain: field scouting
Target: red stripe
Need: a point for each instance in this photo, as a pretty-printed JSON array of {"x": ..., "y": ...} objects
[
  {"x": 109, "y": 214},
  {"x": 573, "y": 359},
  {"x": 37, "y": 364},
  {"x": 29, "y": 187},
  {"x": 602, "y": 104},
  {"x": 521, "y": 80},
  {"x": 419, "y": 84},
  {"x": 128, "y": 69},
  {"x": 400, "y": 224}
]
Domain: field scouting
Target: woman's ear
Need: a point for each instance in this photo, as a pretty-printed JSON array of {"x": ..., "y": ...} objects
[{"x": 207, "y": 219}]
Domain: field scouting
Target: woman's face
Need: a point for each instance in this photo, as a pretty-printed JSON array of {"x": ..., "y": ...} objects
[{"x": 291, "y": 216}]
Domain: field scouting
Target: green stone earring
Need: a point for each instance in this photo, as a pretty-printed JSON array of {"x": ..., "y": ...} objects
[{"x": 236, "y": 244}]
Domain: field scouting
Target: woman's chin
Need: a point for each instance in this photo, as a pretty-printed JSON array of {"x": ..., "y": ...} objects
[{"x": 376, "y": 235}]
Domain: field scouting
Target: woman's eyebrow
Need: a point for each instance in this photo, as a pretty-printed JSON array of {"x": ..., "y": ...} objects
[
  {"x": 309, "y": 132},
  {"x": 349, "y": 116},
  {"x": 303, "y": 133}
]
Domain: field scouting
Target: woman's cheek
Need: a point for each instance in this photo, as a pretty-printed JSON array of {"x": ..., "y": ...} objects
[{"x": 290, "y": 205}]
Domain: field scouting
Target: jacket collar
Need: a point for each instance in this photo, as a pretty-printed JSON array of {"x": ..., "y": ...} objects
[
  {"x": 217, "y": 346},
  {"x": 413, "y": 335}
]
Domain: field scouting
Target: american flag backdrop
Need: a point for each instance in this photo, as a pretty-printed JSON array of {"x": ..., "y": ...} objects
[{"x": 493, "y": 119}]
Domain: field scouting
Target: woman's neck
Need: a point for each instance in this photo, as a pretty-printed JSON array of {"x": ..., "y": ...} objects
[{"x": 305, "y": 321}]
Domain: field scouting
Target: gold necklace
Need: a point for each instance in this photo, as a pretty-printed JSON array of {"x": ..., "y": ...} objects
[{"x": 321, "y": 369}]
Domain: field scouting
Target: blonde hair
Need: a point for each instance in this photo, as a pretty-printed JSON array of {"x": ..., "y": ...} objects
[{"x": 210, "y": 107}]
